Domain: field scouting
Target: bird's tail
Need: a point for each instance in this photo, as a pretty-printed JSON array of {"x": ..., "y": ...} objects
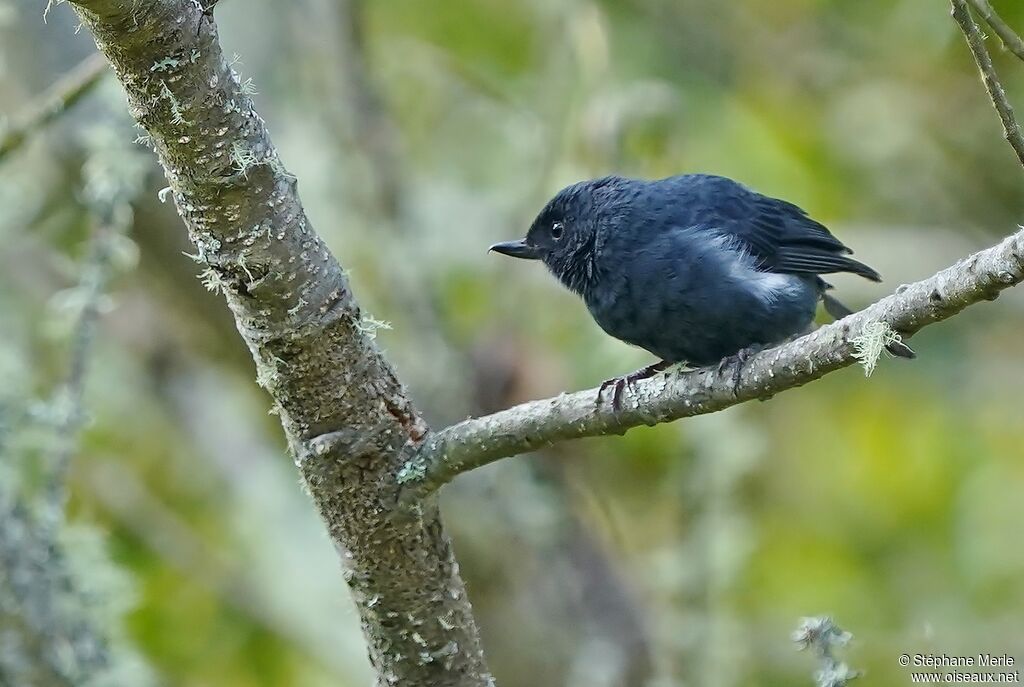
[{"x": 838, "y": 311}]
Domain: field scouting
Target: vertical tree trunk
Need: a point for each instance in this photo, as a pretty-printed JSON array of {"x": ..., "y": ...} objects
[{"x": 344, "y": 411}]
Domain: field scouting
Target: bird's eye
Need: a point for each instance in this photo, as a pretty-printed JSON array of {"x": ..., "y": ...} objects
[{"x": 556, "y": 230}]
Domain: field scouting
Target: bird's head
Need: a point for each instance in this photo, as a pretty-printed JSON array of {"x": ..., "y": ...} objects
[{"x": 568, "y": 233}]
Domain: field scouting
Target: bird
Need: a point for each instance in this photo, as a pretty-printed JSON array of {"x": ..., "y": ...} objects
[{"x": 694, "y": 268}]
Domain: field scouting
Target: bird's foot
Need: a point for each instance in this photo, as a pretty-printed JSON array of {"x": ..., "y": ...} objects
[
  {"x": 620, "y": 383},
  {"x": 736, "y": 361}
]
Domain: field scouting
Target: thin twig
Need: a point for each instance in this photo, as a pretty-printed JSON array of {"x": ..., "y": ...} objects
[
  {"x": 96, "y": 272},
  {"x": 67, "y": 91},
  {"x": 1008, "y": 36},
  {"x": 52, "y": 603},
  {"x": 478, "y": 441},
  {"x": 976, "y": 41}
]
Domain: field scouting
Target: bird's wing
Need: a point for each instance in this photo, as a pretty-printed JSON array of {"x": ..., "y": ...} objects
[{"x": 778, "y": 234}]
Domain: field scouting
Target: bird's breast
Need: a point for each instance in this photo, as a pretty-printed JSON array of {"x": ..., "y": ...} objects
[{"x": 698, "y": 302}]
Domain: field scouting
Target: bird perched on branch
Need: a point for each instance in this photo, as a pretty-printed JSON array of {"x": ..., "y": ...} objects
[{"x": 694, "y": 268}]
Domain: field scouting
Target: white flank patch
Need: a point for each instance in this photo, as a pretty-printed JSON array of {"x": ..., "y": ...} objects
[{"x": 743, "y": 267}]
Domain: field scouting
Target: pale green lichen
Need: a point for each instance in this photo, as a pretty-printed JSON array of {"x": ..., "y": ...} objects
[
  {"x": 245, "y": 268},
  {"x": 823, "y": 636},
  {"x": 299, "y": 305},
  {"x": 414, "y": 470},
  {"x": 368, "y": 325},
  {"x": 868, "y": 347},
  {"x": 177, "y": 115},
  {"x": 166, "y": 64},
  {"x": 211, "y": 280},
  {"x": 49, "y": 5},
  {"x": 243, "y": 158},
  {"x": 268, "y": 371},
  {"x": 266, "y": 376},
  {"x": 247, "y": 87}
]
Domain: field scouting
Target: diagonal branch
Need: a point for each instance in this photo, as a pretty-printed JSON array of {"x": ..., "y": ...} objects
[
  {"x": 478, "y": 441},
  {"x": 67, "y": 91},
  {"x": 1008, "y": 36},
  {"x": 976, "y": 42}
]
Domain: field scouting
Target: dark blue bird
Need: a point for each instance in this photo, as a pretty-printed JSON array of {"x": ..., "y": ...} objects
[{"x": 694, "y": 268}]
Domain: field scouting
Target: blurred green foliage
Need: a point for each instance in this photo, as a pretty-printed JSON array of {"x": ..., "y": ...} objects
[{"x": 891, "y": 503}]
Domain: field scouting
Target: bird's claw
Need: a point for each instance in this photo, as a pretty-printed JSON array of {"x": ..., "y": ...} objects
[
  {"x": 618, "y": 384},
  {"x": 630, "y": 380},
  {"x": 737, "y": 361}
]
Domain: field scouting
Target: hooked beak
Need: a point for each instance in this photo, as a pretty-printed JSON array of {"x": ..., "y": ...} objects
[{"x": 518, "y": 249}]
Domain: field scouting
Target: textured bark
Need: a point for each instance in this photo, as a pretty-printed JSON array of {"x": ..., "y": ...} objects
[
  {"x": 345, "y": 414},
  {"x": 1007, "y": 35},
  {"x": 678, "y": 394},
  {"x": 996, "y": 93}
]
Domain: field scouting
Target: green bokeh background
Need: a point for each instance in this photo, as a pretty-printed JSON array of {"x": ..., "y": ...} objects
[{"x": 892, "y": 503}]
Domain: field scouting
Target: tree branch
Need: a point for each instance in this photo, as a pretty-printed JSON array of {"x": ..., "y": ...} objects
[
  {"x": 478, "y": 441},
  {"x": 1008, "y": 36},
  {"x": 976, "y": 41},
  {"x": 67, "y": 91},
  {"x": 344, "y": 411}
]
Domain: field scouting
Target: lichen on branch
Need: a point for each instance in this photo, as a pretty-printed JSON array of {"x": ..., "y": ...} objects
[{"x": 680, "y": 393}]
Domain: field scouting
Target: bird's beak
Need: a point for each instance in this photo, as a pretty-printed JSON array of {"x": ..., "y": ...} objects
[{"x": 518, "y": 249}]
